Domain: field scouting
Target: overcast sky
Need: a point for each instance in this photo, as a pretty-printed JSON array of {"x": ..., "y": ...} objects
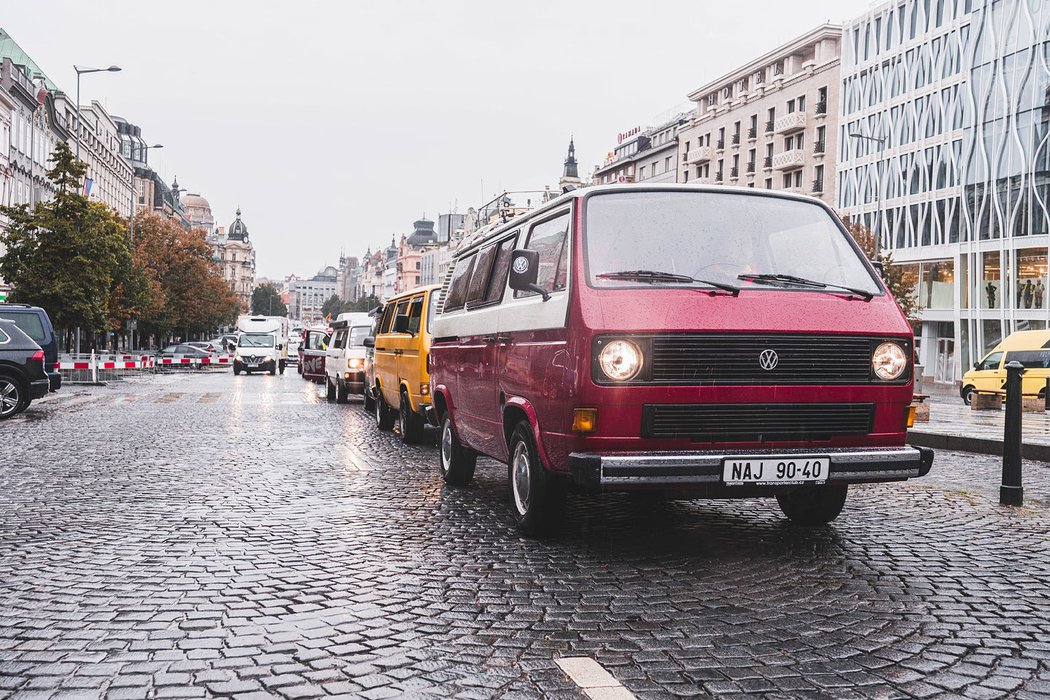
[{"x": 334, "y": 125}]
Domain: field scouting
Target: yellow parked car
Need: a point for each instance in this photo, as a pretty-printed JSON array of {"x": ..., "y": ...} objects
[
  {"x": 1030, "y": 348},
  {"x": 402, "y": 343}
]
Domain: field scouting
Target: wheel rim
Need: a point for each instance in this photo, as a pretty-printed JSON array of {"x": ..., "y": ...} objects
[
  {"x": 9, "y": 397},
  {"x": 379, "y": 409},
  {"x": 446, "y": 446},
  {"x": 402, "y": 417},
  {"x": 520, "y": 481}
]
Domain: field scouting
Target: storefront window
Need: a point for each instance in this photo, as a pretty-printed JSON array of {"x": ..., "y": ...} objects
[
  {"x": 991, "y": 296},
  {"x": 936, "y": 283},
  {"x": 993, "y": 333},
  {"x": 1031, "y": 278},
  {"x": 964, "y": 282}
]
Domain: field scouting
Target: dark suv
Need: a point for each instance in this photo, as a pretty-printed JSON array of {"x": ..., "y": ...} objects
[
  {"x": 34, "y": 322},
  {"x": 22, "y": 376}
]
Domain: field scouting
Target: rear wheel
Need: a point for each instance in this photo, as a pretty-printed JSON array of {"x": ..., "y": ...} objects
[
  {"x": 967, "y": 394},
  {"x": 13, "y": 398},
  {"x": 409, "y": 422},
  {"x": 457, "y": 462},
  {"x": 342, "y": 392},
  {"x": 329, "y": 389},
  {"x": 273, "y": 370},
  {"x": 813, "y": 505},
  {"x": 385, "y": 417},
  {"x": 536, "y": 497}
]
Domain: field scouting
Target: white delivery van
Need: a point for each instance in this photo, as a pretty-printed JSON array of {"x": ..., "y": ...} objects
[
  {"x": 345, "y": 357},
  {"x": 262, "y": 344}
]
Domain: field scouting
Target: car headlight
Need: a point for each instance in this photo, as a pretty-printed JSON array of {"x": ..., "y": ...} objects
[
  {"x": 355, "y": 363},
  {"x": 889, "y": 361},
  {"x": 621, "y": 360}
]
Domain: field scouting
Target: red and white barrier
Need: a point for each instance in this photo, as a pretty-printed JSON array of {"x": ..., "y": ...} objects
[{"x": 94, "y": 363}]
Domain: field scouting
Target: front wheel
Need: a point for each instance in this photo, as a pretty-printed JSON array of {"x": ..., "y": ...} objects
[
  {"x": 409, "y": 422},
  {"x": 369, "y": 404},
  {"x": 342, "y": 392},
  {"x": 537, "y": 498},
  {"x": 967, "y": 394},
  {"x": 457, "y": 462},
  {"x": 281, "y": 367},
  {"x": 329, "y": 389},
  {"x": 12, "y": 397},
  {"x": 273, "y": 370},
  {"x": 813, "y": 505},
  {"x": 236, "y": 370},
  {"x": 384, "y": 416}
]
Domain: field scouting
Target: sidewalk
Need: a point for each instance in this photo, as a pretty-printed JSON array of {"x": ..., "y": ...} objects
[{"x": 955, "y": 426}]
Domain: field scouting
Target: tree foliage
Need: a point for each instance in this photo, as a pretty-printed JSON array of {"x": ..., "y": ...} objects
[
  {"x": 186, "y": 287},
  {"x": 332, "y": 307},
  {"x": 335, "y": 306},
  {"x": 901, "y": 281},
  {"x": 266, "y": 301},
  {"x": 71, "y": 256}
]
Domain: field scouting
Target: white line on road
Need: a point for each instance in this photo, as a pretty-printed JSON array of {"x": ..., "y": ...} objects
[{"x": 595, "y": 681}]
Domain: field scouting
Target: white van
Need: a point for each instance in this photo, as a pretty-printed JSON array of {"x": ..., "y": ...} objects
[
  {"x": 344, "y": 364},
  {"x": 259, "y": 353}
]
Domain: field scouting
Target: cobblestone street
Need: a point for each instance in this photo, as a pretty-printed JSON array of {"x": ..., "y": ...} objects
[{"x": 208, "y": 535}]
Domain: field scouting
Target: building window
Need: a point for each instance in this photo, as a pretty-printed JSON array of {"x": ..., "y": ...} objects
[
  {"x": 667, "y": 165},
  {"x": 769, "y": 183}
]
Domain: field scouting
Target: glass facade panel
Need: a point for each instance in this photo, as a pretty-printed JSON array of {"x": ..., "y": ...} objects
[
  {"x": 992, "y": 281},
  {"x": 936, "y": 284},
  {"x": 993, "y": 334},
  {"x": 1031, "y": 278}
]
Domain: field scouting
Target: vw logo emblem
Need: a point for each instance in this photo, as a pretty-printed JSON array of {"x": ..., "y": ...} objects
[
  {"x": 768, "y": 360},
  {"x": 521, "y": 265}
]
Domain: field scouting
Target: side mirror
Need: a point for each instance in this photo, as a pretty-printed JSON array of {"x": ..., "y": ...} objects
[
  {"x": 879, "y": 267},
  {"x": 524, "y": 271},
  {"x": 280, "y": 346},
  {"x": 977, "y": 365},
  {"x": 401, "y": 325},
  {"x": 369, "y": 341}
]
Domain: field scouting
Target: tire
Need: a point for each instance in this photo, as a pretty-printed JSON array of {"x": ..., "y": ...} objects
[
  {"x": 369, "y": 404},
  {"x": 537, "y": 499},
  {"x": 409, "y": 422},
  {"x": 236, "y": 370},
  {"x": 967, "y": 394},
  {"x": 342, "y": 392},
  {"x": 280, "y": 367},
  {"x": 248, "y": 371},
  {"x": 457, "y": 462},
  {"x": 384, "y": 416},
  {"x": 813, "y": 505},
  {"x": 273, "y": 370},
  {"x": 13, "y": 397},
  {"x": 329, "y": 390}
]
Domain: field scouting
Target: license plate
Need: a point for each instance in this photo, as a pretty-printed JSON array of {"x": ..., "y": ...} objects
[
  {"x": 253, "y": 365},
  {"x": 775, "y": 470}
]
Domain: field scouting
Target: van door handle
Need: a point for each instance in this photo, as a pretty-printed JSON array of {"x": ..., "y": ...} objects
[
  {"x": 503, "y": 338},
  {"x": 489, "y": 339}
]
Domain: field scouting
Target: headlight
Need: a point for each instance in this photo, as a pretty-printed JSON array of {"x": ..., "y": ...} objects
[
  {"x": 355, "y": 363},
  {"x": 889, "y": 361},
  {"x": 621, "y": 360}
]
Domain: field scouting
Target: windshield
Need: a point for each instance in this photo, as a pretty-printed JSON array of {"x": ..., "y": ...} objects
[
  {"x": 358, "y": 335},
  {"x": 256, "y": 340},
  {"x": 715, "y": 237}
]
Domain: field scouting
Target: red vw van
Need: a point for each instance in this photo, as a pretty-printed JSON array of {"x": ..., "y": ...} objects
[{"x": 709, "y": 342}]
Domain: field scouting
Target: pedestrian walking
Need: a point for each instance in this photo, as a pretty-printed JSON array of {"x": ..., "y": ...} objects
[{"x": 1040, "y": 290}]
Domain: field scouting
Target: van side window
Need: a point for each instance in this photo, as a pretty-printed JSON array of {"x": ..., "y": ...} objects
[
  {"x": 479, "y": 280},
  {"x": 457, "y": 288},
  {"x": 387, "y": 320},
  {"x": 548, "y": 239},
  {"x": 337, "y": 339},
  {"x": 415, "y": 315},
  {"x": 992, "y": 361},
  {"x": 500, "y": 270},
  {"x": 402, "y": 309}
]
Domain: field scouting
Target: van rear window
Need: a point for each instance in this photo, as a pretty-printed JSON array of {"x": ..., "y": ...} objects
[
  {"x": 457, "y": 289},
  {"x": 29, "y": 323}
]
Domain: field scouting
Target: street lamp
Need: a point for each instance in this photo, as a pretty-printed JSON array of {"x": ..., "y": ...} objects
[
  {"x": 81, "y": 71},
  {"x": 878, "y": 186},
  {"x": 134, "y": 195}
]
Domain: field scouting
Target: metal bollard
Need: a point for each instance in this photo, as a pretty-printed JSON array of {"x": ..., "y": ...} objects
[{"x": 1010, "y": 492}]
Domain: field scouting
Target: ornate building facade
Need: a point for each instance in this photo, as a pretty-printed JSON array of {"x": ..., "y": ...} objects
[{"x": 236, "y": 257}]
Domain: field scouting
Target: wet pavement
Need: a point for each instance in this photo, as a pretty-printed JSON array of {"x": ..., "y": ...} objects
[{"x": 208, "y": 535}]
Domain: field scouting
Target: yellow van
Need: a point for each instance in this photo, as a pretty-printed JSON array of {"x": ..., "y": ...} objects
[
  {"x": 1030, "y": 348},
  {"x": 402, "y": 342}
]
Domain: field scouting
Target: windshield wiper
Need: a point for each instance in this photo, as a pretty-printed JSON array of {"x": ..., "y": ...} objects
[
  {"x": 768, "y": 278},
  {"x": 655, "y": 276}
]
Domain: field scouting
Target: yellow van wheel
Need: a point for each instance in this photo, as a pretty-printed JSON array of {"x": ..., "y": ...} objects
[{"x": 967, "y": 393}]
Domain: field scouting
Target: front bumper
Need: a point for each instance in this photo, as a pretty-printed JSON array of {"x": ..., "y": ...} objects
[{"x": 703, "y": 470}]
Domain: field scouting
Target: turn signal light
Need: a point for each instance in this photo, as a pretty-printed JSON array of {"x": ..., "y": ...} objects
[
  {"x": 584, "y": 420},
  {"x": 909, "y": 416},
  {"x": 424, "y": 389}
]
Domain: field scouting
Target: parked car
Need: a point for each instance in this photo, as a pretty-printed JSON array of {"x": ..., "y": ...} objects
[
  {"x": 184, "y": 350},
  {"x": 746, "y": 350},
  {"x": 402, "y": 383},
  {"x": 1030, "y": 348},
  {"x": 370, "y": 357},
  {"x": 204, "y": 345},
  {"x": 22, "y": 375},
  {"x": 344, "y": 363},
  {"x": 35, "y": 323}
]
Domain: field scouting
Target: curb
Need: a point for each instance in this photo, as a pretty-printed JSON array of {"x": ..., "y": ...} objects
[{"x": 984, "y": 446}]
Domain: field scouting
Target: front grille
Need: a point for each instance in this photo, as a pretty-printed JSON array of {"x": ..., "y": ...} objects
[
  {"x": 756, "y": 422},
  {"x": 734, "y": 359}
]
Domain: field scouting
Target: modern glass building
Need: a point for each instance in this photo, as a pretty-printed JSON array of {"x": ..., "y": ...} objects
[{"x": 943, "y": 151}]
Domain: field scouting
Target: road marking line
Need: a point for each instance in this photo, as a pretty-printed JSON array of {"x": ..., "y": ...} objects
[{"x": 595, "y": 681}]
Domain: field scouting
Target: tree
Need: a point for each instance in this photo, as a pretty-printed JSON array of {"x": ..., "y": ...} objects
[
  {"x": 363, "y": 304},
  {"x": 901, "y": 281},
  {"x": 333, "y": 307},
  {"x": 187, "y": 288},
  {"x": 69, "y": 255},
  {"x": 266, "y": 301}
]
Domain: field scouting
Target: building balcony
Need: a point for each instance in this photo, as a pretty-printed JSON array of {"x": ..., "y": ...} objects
[
  {"x": 769, "y": 127},
  {"x": 701, "y": 154},
  {"x": 734, "y": 173},
  {"x": 721, "y": 145},
  {"x": 789, "y": 160},
  {"x": 822, "y": 107},
  {"x": 719, "y": 177},
  {"x": 752, "y": 133},
  {"x": 767, "y": 162},
  {"x": 751, "y": 167},
  {"x": 818, "y": 186},
  {"x": 736, "y": 139},
  {"x": 818, "y": 148},
  {"x": 790, "y": 123}
]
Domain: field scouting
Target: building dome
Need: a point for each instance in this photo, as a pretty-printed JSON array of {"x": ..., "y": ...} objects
[
  {"x": 238, "y": 231},
  {"x": 423, "y": 234},
  {"x": 195, "y": 200}
]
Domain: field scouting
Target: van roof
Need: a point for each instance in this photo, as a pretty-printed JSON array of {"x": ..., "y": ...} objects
[
  {"x": 410, "y": 292},
  {"x": 1025, "y": 340},
  {"x": 496, "y": 230}
]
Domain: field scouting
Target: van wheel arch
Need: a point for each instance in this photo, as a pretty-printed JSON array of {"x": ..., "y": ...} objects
[
  {"x": 512, "y": 415},
  {"x": 440, "y": 405}
]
